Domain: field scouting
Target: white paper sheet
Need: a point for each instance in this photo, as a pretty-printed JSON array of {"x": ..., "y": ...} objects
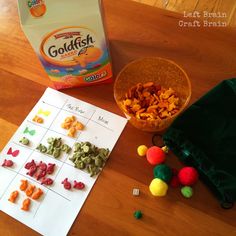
[{"x": 54, "y": 213}]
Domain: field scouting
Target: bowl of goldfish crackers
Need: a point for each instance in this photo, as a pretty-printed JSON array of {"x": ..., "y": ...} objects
[{"x": 152, "y": 92}]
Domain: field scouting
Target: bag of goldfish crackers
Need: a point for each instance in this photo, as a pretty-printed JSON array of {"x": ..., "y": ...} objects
[{"x": 69, "y": 39}]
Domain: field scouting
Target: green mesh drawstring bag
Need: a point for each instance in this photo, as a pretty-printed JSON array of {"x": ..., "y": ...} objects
[{"x": 204, "y": 137}]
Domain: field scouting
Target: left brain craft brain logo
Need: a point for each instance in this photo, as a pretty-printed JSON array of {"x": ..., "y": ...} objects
[
  {"x": 37, "y": 7},
  {"x": 71, "y": 46}
]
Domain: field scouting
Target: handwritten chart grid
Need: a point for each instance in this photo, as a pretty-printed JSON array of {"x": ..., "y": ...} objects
[{"x": 102, "y": 129}]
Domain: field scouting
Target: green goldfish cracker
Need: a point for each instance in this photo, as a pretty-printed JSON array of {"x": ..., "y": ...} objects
[
  {"x": 87, "y": 155},
  {"x": 24, "y": 141}
]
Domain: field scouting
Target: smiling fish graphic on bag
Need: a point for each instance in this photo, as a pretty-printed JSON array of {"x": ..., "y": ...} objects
[{"x": 87, "y": 55}]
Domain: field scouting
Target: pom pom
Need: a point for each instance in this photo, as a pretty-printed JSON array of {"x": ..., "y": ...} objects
[
  {"x": 158, "y": 187},
  {"x": 142, "y": 150},
  {"x": 174, "y": 182},
  {"x": 155, "y": 155},
  {"x": 188, "y": 176},
  {"x": 138, "y": 215},
  {"x": 187, "y": 191},
  {"x": 163, "y": 172}
]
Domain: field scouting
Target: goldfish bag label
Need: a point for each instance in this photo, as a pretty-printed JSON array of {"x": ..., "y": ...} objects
[{"x": 69, "y": 39}]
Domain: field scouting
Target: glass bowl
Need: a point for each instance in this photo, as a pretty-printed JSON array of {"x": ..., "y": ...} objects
[{"x": 160, "y": 71}]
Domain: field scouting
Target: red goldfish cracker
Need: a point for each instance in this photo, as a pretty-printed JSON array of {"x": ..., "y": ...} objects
[
  {"x": 38, "y": 119},
  {"x": 25, "y": 204},
  {"x": 37, "y": 194},
  {"x": 24, "y": 184},
  {"x": 151, "y": 102},
  {"x": 13, "y": 196},
  {"x": 29, "y": 190}
]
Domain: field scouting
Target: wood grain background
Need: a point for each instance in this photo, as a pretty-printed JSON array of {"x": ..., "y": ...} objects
[
  {"x": 134, "y": 31},
  {"x": 223, "y": 6}
]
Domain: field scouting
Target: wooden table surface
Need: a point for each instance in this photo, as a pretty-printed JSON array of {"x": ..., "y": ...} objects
[{"x": 134, "y": 31}]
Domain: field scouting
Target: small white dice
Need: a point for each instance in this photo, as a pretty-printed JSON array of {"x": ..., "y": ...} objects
[{"x": 135, "y": 192}]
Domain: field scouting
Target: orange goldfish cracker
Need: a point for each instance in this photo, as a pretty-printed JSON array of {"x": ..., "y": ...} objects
[
  {"x": 69, "y": 119},
  {"x": 25, "y": 204},
  {"x": 146, "y": 115},
  {"x": 24, "y": 184},
  {"x": 173, "y": 99},
  {"x": 140, "y": 111},
  {"x": 148, "y": 84},
  {"x": 152, "y": 108},
  {"x": 72, "y": 125},
  {"x": 167, "y": 93},
  {"x": 171, "y": 107},
  {"x": 165, "y": 114},
  {"x": 136, "y": 107},
  {"x": 174, "y": 111},
  {"x": 37, "y": 194},
  {"x": 163, "y": 104},
  {"x": 127, "y": 102},
  {"x": 29, "y": 190},
  {"x": 38, "y": 119},
  {"x": 13, "y": 196},
  {"x": 146, "y": 94},
  {"x": 66, "y": 125},
  {"x": 71, "y": 132},
  {"x": 150, "y": 102},
  {"x": 78, "y": 125}
]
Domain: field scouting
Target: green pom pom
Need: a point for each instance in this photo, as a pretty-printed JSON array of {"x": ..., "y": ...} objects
[
  {"x": 187, "y": 191},
  {"x": 138, "y": 214},
  {"x": 163, "y": 172}
]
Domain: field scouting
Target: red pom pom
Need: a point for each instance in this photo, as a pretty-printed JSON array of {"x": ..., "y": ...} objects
[
  {"x": 155, "y": 155},
  {"x": 188, "y": 176},
  {"x": 174, "y": 182}
]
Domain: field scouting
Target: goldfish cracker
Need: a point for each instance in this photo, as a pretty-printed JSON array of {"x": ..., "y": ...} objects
[
  {"x": 66, "y": 125},
  {"x": 37, "y": 194},
  {"x": 13, "y": 196},
  {"x": 78, "y": 125},
  {"x": 38, "y": 119},
  {"x": 29, "y": 190},
  {"x": 71, "y": 132},
  {"x": 150, "y": 102},
  {"x": 69, "y": 119},
  {"x": 24, "y": 184},
  {"x": 26, "y": 204},
  {"x": 72, "y": 125}
]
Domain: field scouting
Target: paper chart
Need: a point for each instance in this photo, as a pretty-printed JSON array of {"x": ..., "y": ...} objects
[{"x": 102, "y": 129}]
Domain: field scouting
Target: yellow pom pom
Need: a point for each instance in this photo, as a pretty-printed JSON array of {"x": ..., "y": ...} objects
[
  {"x": 158, "y": 187},
  {"x": 142, "y": 149}
]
